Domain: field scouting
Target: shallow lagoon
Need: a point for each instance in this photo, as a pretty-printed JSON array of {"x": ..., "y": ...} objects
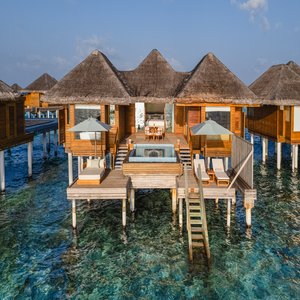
[{"x": 40, "y": 258}]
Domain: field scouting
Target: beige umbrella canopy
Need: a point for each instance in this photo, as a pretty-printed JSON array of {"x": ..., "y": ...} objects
[{"x": 91, "y": 125}]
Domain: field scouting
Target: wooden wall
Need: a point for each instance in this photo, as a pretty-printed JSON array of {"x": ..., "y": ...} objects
[
  {"x": 12, "y": 124},
  {"x": 32, "y": 100}
]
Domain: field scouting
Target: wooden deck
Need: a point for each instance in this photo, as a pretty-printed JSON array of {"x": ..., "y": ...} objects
[
  {"x": 212, "y": 191},
  {"x": 114, "y": 186}
]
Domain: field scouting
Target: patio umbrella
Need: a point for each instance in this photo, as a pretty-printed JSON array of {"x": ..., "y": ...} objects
[
  {"x": 209, "y": 127},
  {"x": 91, "y": 125}
]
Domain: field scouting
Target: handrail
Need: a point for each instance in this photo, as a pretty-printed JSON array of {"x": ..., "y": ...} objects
[
  {"x": 203, "y": 210},
  {"x": 188, "y": 225}
]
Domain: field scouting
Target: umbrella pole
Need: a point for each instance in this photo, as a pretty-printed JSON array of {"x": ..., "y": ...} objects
[{"x": 95, "y": 144}]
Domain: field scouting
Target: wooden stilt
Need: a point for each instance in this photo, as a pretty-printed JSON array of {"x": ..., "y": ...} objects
[
  {"x": 49, "y": 142},
  {"x": 217, "y": 201},
  {"x": 29, "y": 158},
  {"x": 228, "y": 212},
  {"x": 296, "y": 156},
  {"x": 70, "y": 168},
  {"x": 174, "y": 204},
  {"x": 48, "y": 114},
  {"x": 293, "y": 157},
  {"x": 248, "y": 217},
  {"x": 248, "y": 204},
  {"x": 55, "y": 142},
  {"x": 226, "y": 163},
  {"x": 124, "y": 213},
  {"x": 234, "y": 201},
  {"x": 252, "y": 138},
  {"x": 44, "y": 145},
  {"x": 74, "y": 214},
  {"x": 180, "y": 213},
  {"x": 2, "y": 171},
  {"x": 132, "y": 200},
  {"x": 278, "y": 147},
  {"x": 79, "y": 164},
  {"x": 263, "y": 143}
]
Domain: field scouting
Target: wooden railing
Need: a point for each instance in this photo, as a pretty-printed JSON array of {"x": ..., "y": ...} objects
[{"x": 242, "y": 159}]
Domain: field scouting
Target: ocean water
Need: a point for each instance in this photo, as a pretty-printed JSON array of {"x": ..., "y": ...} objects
[{"x": 41, "y": 257}]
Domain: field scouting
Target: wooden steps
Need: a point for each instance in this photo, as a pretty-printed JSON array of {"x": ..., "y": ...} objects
[
  {"x": 196, "y": 218},
  {"x": 121, "y": 154},
  {"x": 185, "y": 156}
]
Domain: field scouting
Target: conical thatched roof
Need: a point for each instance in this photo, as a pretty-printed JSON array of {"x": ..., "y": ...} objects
[
  {"x": 94, "y": 80},
  {"x": 15, "y": 87},
  {"x": 6, "y": 93},
  {"x": 154, "y": 79},
  {"x": 212, "y": 81},
  {"x": 294, "y": 67},
  {"x": 279, "y": 85},
  {"x": 44, "y": 83}
]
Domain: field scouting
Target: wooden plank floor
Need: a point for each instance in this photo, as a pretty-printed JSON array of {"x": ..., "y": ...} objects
[
  {"x": 114, "y": 186},
  {"x": 170, "y": 138},
  {"x": 211, "y": 191}
]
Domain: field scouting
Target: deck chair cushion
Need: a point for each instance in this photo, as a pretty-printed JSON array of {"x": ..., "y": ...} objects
[
  {"x": 218, "y": 168},
  {"x": 200, "y": 162}
]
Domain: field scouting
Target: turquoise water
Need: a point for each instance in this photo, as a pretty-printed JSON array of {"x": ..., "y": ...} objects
[{"x": 40, "y": 258}]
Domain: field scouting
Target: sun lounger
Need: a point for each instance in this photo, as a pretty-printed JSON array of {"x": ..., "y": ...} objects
[
  {"x": 220, "y": 175},
  {"x": 93, "y": 173},
  {"x": 204, "y": 176}
]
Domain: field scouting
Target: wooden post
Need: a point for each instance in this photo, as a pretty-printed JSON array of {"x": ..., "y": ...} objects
[
  {"x": 44, "y": 145},
  {"x": 174, "y": 201},
  {"x": 48, "y": 114},
  {"x": 278, "y": 156},
  {"x": 124, "y": 213},
  {"x": 56, "y": 113},
  {"x": 228, "y": 212},
  {"x": 49, "y": 141},
  {"x": 79, "y": 164},
  {"x": 180, "y": 213},
  {"x": 2, "y": 171},
  {"x": 293, "y": 157},
  {"x": 296, "y": 156},
  {"x": 263, "y": 143},
  {"x": 55, "y": 141},
  {"x": 74, "y": 214},
  {"x": 29, "y": 157},
  {"x": 226, "y": 163},
  {"x": 252, "y": 138},
  {"x": 248, "y": 204},
  {"x": 70, "y": 168},
  {"x": 132, "y": 200}
]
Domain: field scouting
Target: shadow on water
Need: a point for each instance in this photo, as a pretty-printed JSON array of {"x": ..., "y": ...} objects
[{"x": 41, "y": 258}]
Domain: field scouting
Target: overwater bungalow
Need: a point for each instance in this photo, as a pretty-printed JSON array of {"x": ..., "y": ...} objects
[
  {"x": 36, "y": 89},
  {"x": 12, "y": 127},
  {"x": 276, "y": 118},
  {"x": 151, "y": 110},
  {"x": 16, "y": 88}
]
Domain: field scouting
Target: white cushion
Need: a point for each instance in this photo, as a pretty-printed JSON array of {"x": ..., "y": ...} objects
[
  {"x": 95, "y": 163},
  {"x": 91, "y": 174}
]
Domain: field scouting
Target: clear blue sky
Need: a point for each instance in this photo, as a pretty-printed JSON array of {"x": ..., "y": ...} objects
[{"x": 52, "y": 36}]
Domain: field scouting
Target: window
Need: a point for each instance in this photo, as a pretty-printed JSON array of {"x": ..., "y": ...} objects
[
  {"x": 83, "y": 112},
  {"x": 219, "y": 114}
]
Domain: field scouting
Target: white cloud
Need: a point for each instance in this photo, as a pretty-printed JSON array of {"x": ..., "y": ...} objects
[
  {"x": 87, "y": 45},
  {"x": 257, "y": 10},
  {"x": 254, "y": 5},
  {"x": 265, "y": 23}
]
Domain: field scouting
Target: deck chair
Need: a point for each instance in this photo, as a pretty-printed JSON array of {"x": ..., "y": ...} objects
[
  {"x": 93, "y": 173},
  {"x": 204, "y": 176},
  {"x": 220, "y": 175}
]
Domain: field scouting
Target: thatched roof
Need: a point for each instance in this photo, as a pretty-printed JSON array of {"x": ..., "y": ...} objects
[
  {"x": 154, "y": 79},
  {"x": 16, "y": 88},
  {"x": 212, "y": 81},
  {"x": 94, "y": 80},
  {"x": 6, "y": 93},
  {"x": 279, "y": 85},
  {"x": 294, "y": 67},
  {"x": 42, "y": 84}
]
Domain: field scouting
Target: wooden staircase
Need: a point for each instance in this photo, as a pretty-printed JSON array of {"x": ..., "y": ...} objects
[
  {"x": 196, "y": 219},
  {"x": 185, "y": 156},
  {"x": 121, "y": 154}
]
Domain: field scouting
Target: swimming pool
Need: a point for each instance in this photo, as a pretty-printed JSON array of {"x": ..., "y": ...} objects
[{"x": 153, "y": 153}]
